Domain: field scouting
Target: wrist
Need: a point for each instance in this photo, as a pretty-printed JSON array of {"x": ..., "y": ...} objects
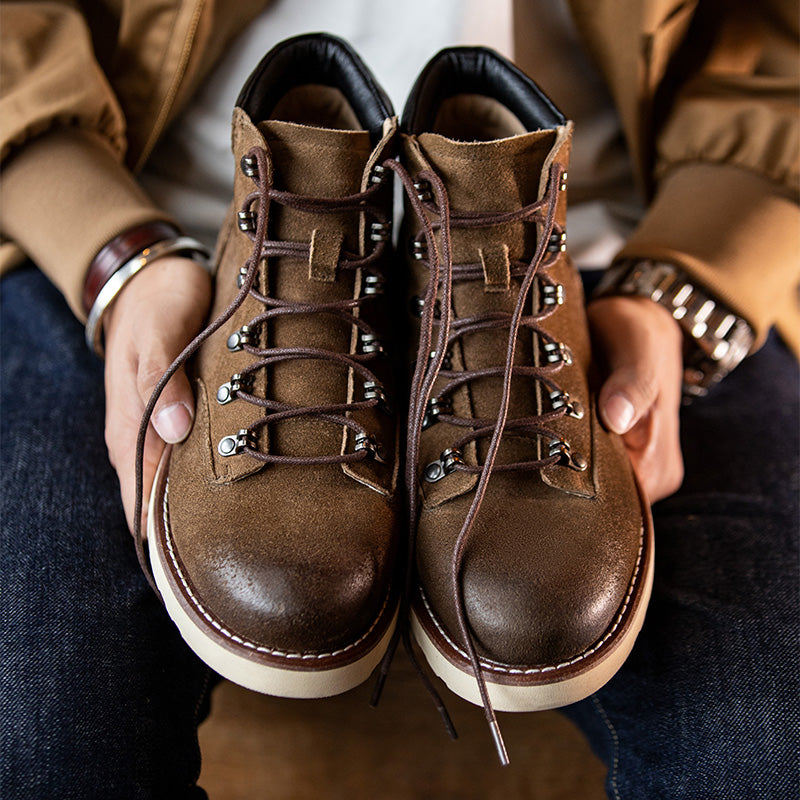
[
  {"x": 120, "y": 250},
  {"x": 715, "y": 339},
  {"x": 121, "y": 259}
]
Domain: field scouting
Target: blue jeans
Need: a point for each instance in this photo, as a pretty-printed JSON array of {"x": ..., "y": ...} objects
[
  {"x": 100, "y": 698},
  {"x": 707, "y": 705}
]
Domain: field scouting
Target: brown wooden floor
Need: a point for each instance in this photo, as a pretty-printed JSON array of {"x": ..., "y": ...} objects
[{"x": 264, "y": 747}]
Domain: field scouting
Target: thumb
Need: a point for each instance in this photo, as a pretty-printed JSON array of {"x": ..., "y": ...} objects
[
  {"x": 632, "y": 354},
  {"x": 173, "y": 414},
  {"x": 628, "y": 393}
]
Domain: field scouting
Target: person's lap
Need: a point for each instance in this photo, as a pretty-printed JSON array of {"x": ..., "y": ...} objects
[
  {"x": 100, "y": 695},
  {"x": 707, "y": 704}
]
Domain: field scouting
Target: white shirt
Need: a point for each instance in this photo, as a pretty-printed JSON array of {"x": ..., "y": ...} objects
[{"x": 190, "y": 174}]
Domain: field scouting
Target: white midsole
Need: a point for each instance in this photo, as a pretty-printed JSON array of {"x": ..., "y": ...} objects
[
  {"x": 535, "y": 697},
  {"x": 248, "y": 671}
]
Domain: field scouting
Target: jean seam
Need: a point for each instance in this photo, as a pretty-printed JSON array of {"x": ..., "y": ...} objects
[{"x": 615, "y": 739}]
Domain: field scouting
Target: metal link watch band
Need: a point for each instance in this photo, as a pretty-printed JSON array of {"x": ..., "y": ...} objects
[{"x": 719, "y": 338}]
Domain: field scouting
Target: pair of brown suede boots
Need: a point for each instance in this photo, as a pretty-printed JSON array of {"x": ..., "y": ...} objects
[{"x": 400, "y": 438}]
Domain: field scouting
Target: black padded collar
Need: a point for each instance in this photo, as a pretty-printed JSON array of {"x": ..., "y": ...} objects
[
  {"x": 316, "y": 58},
  {"x": 477, "y": 70}
]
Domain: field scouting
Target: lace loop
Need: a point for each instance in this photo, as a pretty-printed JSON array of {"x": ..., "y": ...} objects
[
  {"x": 442, "y": 274},
  {"x": 253, "y": 219}
]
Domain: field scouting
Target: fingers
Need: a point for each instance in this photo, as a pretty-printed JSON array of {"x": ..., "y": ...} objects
[
  {"x": 640, "y": 399},
  {"x": 654, "y": 447},
  {"x": 153, "y": 319},
  {"x": 628, "y": 393},
  {"x": 124, "y": 408}
]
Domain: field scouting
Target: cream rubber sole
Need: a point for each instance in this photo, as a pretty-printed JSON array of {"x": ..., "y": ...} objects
[
  {"x": 240, "y": 661},
  {"x": 537, "y": 695}
]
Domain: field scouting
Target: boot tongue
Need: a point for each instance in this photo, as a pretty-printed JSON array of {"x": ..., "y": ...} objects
[
  {"x": 320, "y": 162},
  {"x": 499, "y": 175},
  {"x": 312, "y": 162}
]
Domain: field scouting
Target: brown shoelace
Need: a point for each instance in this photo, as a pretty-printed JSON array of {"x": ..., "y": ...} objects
[
  {"x": 255, "y": 225},
  {"x": 443, "y": 274}
]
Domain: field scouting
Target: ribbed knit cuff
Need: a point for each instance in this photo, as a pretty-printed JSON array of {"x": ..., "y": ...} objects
[
  {"x": 64, "y": 197},
  {"x": 733, "y": 231}
]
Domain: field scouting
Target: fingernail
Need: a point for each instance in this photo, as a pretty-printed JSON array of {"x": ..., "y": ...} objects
[
  {"x": 173, "y": 423},
  {"x": 619, "y": 413}
]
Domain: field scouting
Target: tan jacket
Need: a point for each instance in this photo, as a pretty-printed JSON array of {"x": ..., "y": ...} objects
[{"x": 707, "y": 93}]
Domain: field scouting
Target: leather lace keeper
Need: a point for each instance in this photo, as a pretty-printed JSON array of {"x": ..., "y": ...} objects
[{"x": 120, "y": 250}]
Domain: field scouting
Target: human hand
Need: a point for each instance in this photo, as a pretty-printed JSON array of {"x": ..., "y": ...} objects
[
  {"x": 154, "y": 317},
  {"x": 641, "y": 345}
]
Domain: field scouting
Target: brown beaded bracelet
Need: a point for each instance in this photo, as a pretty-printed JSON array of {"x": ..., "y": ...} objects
[{"x": 120, "y": 250}]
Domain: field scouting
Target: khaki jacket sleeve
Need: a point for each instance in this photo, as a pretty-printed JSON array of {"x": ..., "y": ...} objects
[
  {"x": 725, "y": 129},
  {"x": 65, "y": 191}
]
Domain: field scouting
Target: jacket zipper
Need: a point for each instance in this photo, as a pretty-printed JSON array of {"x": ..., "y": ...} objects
[{"x": 169, "y": 100}]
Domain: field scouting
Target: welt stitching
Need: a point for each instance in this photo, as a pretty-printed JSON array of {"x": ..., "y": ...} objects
[
  {"x": 494, "y": 666},
  {"x": 232, "y": 636}
]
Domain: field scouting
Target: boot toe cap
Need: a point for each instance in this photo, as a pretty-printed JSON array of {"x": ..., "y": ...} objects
[
  {"x": 541, "y": 585},
  {"x": 302, "y": 582}
]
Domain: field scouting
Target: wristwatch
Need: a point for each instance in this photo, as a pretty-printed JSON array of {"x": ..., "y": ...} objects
[{"x": 717, "y": 338}]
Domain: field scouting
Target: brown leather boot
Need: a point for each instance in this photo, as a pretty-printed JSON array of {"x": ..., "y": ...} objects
[
  {"x": 273, "y": 527},
  {"x": 534, "y": 548}
]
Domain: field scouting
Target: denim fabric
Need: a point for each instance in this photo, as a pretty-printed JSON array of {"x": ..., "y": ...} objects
[
  {"x": 99, "y": 697},
  {"x": 706, "y": 706}
]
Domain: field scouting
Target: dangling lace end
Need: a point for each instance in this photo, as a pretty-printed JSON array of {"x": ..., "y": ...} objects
[
  {"x": 383, "y": 669},
  {"x": 500, "y": 745},
  {"x": 377, "y": 689},
  {"x": 431, "y": 689},
  {"x": 448, "y": 723}
]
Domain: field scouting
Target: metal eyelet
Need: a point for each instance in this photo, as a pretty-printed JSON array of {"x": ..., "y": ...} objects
[
  {"x": 249, "y": 165},
  {"x": 244, "y": 336},
  {"x": 561, "y": 448},
  {"x": 373, "y": 390},
  {"x": 418, "y": 249},
  {"x": 372, "y": 285},
  {"x": 377, "y": 174},
  {"x": 447, "y": 361},
  {"x": 416, "y": 306},
  {"x": 247, "y": 221},
  {"x": 563, "y": 185},
  {"x": 435, "y": 407},
  {"x": 235, "y": 445},
  {"x": 368, "y": 443},
  {"x": 446, "y": 464},
  {"x": 370, "y": 343},
  {"x": 424, "y": 192},
  {"x": 558, "y": 351},
  {"x": 228, "y": 391},
  {"x": 552, "y": 294},
  {"x": 557, "y": 242},
  {"x": 241, "y": 276},
  {"x": 380, "y": 231},
  {"x": 561, "y": 399}
]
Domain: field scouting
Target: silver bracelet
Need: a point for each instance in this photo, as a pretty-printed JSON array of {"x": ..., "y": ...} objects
[{"x": 112, "y": 287}]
